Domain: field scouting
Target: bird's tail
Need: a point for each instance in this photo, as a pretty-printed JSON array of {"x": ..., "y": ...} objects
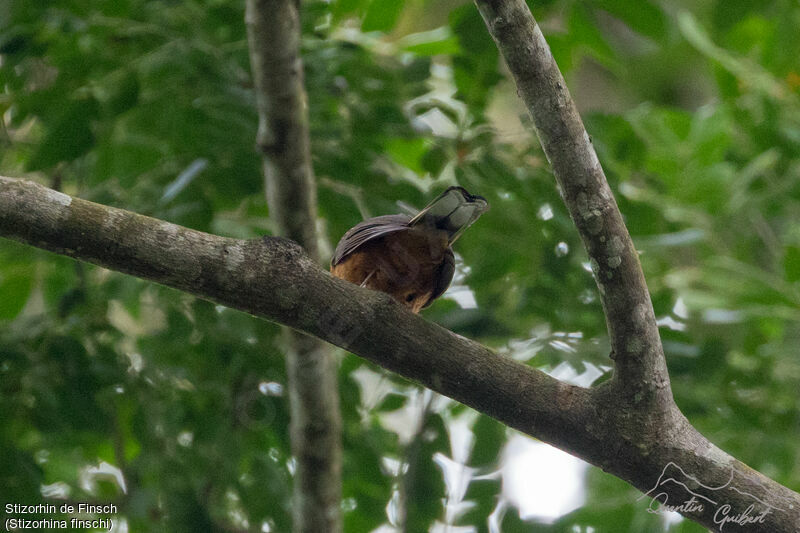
[{"x": 453, "y": 211}]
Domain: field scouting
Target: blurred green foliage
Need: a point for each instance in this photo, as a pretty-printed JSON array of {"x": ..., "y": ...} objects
[{"x": 148, "y": 105}]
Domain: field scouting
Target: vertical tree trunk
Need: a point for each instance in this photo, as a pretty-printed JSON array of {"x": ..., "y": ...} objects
[{"x": 274, "y": 36}]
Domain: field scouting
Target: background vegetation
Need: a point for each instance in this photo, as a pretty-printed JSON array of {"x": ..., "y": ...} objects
[{"x": 147, "y": 105}]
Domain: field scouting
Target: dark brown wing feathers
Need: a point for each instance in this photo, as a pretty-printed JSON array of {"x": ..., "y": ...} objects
[{"x": 366, "y": 231}]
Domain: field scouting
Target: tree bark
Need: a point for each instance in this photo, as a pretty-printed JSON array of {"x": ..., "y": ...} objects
[
  {"x": 640, "y": 369},
  {"x": 273, "y": 30},
  {"x": 652, "y": 447},
  {"x": 639, "y": 394}
]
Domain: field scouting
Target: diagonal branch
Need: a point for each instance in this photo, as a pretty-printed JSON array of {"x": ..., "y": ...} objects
[
  {"x": 641, "y": 372},
  {"x": 272, "y": 278},
  {"x": 640, "y": 393},
  {"x": 273, "y": 31}
]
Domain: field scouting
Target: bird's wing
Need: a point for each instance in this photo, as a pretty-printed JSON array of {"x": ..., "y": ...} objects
[
  {"x": 363, "y": 232},
  {"x": 443, "y": 277}
]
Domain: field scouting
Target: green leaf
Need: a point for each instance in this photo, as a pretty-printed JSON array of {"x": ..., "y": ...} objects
[
  {"x": 408, "y": 152},
  {"x": 643, "y": 17},
  {"x": 583, "y": 29},
  {"x": 15, "y": 42},
  {"x": 424, "y": 477},
  {"x": 340, "y": 8},
  {"x": 381, "y": 15},
  {"x": 392, "y": 402},
  {"x": 475, "y": 70},
  {"x": 70, "y": 137},
  {"x": 123, "y": 94},
  {"x": 490, "y": 437},
  {"x": 470, "y": 29},
  {"x": 436, "y": 42},
  {"x": 791, "y": 263},
  {"x": 15, "y": 287}
]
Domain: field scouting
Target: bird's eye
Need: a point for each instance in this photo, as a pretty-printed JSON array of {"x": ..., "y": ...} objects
[{"x": 410, "y": 297}]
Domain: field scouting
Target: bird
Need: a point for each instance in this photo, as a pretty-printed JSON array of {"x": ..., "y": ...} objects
[{"x": 409, "y": 258}]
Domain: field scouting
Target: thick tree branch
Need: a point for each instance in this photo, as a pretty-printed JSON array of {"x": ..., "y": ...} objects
[
  {"x": 273, "y": 31},
  {"x": 641, "y": 371},
  {"x": 644, "y": 413},
  {"x": 272, "y": 278}
]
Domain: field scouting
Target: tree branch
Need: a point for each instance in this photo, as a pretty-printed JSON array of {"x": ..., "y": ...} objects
[
  {"x": 273, "y": 31},
  {"x": 640, "y": 369},
  {"x": 639, "y": 395},
  {"x": 272, "y": 278}
]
